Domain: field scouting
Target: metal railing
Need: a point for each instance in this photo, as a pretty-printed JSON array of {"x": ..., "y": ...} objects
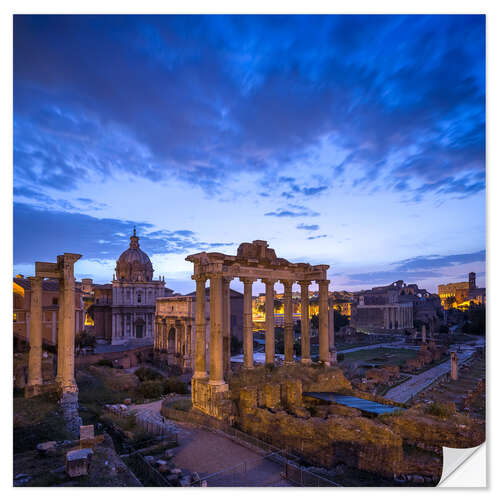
[{"x": 144, "y": 471}]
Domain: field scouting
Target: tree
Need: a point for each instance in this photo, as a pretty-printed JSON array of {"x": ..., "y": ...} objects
[{"x": 340, "y": 320}]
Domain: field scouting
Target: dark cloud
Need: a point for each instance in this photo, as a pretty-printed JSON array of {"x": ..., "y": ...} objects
[
  {"x": 203, "y": 98},
  {"x": 38, "y": 232},
  {"x": 418, "y": 268},
  {"x": 308, "y": 227},
  {"x": 439, "y": 261}
]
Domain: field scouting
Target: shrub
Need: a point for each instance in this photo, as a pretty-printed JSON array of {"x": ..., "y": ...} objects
[
  {"x": 104, "y": 362},
  {"x": 441, "y": 410},
  {"x": 151, "y": 389},
  {"x": 145, "y": 373},
  {"x": 172, "y": 385}
]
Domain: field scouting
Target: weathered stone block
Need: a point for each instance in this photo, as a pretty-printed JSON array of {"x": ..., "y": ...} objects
[
  {"x": 272, "y": 395},
  {"x": 293, "y": 393},
  {"x": 78, "y": 462}
]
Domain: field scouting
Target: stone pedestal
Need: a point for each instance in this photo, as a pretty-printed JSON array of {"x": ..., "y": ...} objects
[{"x": 213, "y": 400}]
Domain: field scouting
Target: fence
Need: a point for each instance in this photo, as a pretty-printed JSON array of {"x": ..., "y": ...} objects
[
  {"x": 302, "y": 477},
  {"x": 152, "y": 426},
  {"x": 144, "y": 471}
]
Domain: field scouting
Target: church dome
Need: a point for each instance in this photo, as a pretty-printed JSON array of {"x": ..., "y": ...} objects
[{"x": 134, "y": 264}]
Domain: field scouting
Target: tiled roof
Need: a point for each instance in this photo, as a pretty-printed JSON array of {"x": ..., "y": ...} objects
[{"x": 48, "y": 285}]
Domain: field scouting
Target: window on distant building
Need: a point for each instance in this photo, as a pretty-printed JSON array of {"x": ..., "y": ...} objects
[{"x": 55, "y": 301}]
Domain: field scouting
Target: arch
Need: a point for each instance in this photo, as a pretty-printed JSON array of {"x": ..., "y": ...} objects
[{"x": 171, "y": 340}]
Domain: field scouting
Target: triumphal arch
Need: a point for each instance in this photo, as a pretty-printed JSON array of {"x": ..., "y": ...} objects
[{"x": 253, "y": 261}]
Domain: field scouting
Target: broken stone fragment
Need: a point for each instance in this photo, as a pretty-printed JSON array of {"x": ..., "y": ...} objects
[{"x": 47, "y": 448}]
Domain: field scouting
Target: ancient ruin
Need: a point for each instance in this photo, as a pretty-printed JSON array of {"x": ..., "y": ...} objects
[
  {"x": 63, "y": 270},
  {"x": 454, "y": 365},
  {"x": 210, "y": 392}
]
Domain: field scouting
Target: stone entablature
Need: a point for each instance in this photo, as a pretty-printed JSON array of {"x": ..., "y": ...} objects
[{"x": 253, "y": 261}]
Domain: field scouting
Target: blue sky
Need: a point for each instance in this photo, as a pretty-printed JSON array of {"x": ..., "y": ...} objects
[{"x": 354, "y": 141}]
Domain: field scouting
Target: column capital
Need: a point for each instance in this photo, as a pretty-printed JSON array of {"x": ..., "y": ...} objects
[
  {"x": 199, "y": 278},
  {"x": 226, "y": 279},
  {"x": 304, "y": 282},
  {"x": 247, "y": 280},
  {"x": 211, "y": 276},
  {"x": 35, "y": 279},
  {"x": 287, "y": 283},
  {"x": 268, "y": 281},
  {"x": 323, "y": 282}
]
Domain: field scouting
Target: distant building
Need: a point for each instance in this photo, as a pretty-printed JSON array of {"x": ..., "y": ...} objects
[
  {"x": 462, "y": 294},
  {"x": 175, "y": 328},
  {"x": 50, "y": 310},
  {"x": 393, "y": 307},
  {"x": 124, "y": 309}
]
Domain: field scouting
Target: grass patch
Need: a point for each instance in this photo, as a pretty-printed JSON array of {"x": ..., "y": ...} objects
[
  {"x": 181, "y": 405},
  {"x": 144, "y": 373},
  {"x": 93, "y": 393},
  {"x": 390, "y": 356},
  {"x": 37, "y": 420}
]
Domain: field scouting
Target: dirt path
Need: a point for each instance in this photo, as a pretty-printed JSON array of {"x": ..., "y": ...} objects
[{"x": 208, "y": 452}]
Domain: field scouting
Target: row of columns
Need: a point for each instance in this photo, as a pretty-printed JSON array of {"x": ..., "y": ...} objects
[
  {"x": 219, "y": 351},
  {"x": 400, "y": 315},
  {"x": 66, "y": 331}
]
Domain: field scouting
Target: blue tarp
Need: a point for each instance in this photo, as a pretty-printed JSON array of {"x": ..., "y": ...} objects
[{"x": 354, "y": 402}]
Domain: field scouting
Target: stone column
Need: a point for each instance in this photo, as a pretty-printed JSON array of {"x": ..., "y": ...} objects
[
  {"x": 304, "y": 321},
  {"x": 60, "y": 334},
  {"x": 54, "y": 327},
  {"x": 454, "y": 365},
  {"x": 247, "y": 323},
  {"x": 35, "y": 354},
  {"x": 288, "y": 310},
  {"x": 200, "y": 361},
  {"x": 269, "y": 320},
  {"x": 68, "y": 382},
  {"x": 226, "y": 323},
  {"x": 323, "y": 322},
  {"x": 216, "y": 376},
  {"x": 331, "y": 332}
]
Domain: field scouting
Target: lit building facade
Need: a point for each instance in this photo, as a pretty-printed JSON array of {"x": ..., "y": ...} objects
[{"x": 462, "y": 294}]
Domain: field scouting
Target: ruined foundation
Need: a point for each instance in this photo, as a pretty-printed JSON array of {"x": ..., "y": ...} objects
[{"x": 69, "y": 407}]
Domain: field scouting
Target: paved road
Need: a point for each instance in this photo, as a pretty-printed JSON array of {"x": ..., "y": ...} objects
[{"x": 406, "y": 390}]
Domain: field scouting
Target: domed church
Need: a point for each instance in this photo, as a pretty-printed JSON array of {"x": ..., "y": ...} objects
[{"x": 134, "y": 295}]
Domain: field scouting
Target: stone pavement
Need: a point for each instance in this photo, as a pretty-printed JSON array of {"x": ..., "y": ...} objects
[{"x": 403, "y": 392}]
